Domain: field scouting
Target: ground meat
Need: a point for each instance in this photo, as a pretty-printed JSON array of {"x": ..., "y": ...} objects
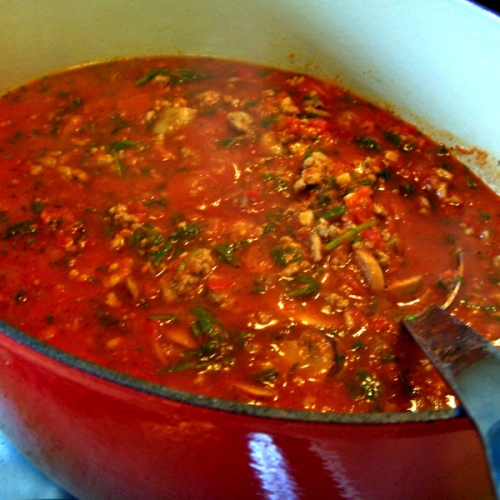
[
  {"x": 172, "y": 118},
  {"x": 240, "y": 121},
  {"x": 314, "y": 168},
  {"x": 194, "y": 268},
  {"x": 121, "y": 216}
]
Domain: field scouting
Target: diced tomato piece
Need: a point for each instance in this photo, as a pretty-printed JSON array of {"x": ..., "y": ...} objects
[
  {"x": 246, "y": 73},
  {"x": 73, "y": 124},
  {"x": 135, "y": 107},
  {"x": 350, "y": 283},
  {"x": 219, "y": 283},
  {"x": 151, "y": 328},
  {"x": 257, "y": 260},
  {"x": 360, "y": 204},
  {"x": 253, "y": 196},
  {"x": 160, "y": 152},
  {"x": 373, "y": 236},
  {"x": 319, "y": 124},
  {"x": 382, "y": 324},
  {"x": 291, "y": 124}
]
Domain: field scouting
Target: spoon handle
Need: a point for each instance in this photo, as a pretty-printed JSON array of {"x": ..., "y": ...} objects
[{"x": 471, "y": 366}]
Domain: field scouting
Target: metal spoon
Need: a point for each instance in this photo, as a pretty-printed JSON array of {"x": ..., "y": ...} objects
[{"x": 471, "y": 366}]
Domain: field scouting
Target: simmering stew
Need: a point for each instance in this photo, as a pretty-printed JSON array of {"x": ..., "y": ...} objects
[{"x": 238, "y": 231}]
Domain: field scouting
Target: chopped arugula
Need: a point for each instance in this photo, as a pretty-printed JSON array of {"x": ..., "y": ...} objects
[
  {"x": 227, "y": 143},
  {"x": 266, "y": 122},
  {"x": 285, "y": 255},
  {"x": 214, "y": 352},
  {"x": 118, "y": 163},
  {"x": 369, "y": 385},
  {"x": 302, "y": 285},
  {"x": 279, "y": 184},
  {"x": 397, "y": 141},
  {"x": 38, "y": 206},
  {"x": 177, "y": 75},
  {"x": 207, "y": 324},
  {"x": 166, "y": 318},
  {"x": 334, "y": 212},
  {"x": 393, "y": 138},
  {"x": 266, "y": 376},
  {"x": 490, "y": 309},
  {"x": 157, "y": 246},
  {"x": 367, "y": 143},
  {"x": 20, "y": 229},
  {"x": 226, "y": 252},
  {"x": 120, "y": 145}
]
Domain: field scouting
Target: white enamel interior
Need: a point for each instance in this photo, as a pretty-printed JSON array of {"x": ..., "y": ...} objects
[{"x": 435, "y": 62}]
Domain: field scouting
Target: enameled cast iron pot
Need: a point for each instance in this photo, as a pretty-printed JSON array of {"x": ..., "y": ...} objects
[{"x": 101, "y": 435}]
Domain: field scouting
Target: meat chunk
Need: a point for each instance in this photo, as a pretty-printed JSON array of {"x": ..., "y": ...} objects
[
  {"x": 122, "y": 218},
  {"x": 240, "y": 121},
  {"x": 314, "y": 168},
  {"x": 171, "y": 118},
  {"x": 195, "y": 267}
]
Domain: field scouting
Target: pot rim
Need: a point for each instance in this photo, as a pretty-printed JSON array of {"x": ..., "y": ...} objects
[{"x": 211, "y": 403}]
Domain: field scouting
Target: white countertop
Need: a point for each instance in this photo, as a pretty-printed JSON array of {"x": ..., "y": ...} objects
[{"x": 19, "y": 480}]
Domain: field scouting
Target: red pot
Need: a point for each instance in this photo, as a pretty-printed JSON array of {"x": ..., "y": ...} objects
[{"x": 101, "y": 435}]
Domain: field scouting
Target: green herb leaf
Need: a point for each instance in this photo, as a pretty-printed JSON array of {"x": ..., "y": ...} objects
[
  {"x": 471, "y": 182},
  {"x": 266, "y": 376},
  {"x": 166, "y": 318},
  {"x": 226, "y": 252},
  {"x": 227, "y": 143},
  {"x": 118, "y": 163},
  {"x": 407, "y": 189},
  {"x": 20, "y": 229},
  {"x": 38, "y": 206},
  {"x": 119, "y": 123},
  {"x": 442, "y": 150},
  {"x": 357, "y": 346},
  {"x": 489, "y": 309},
  {"x": 147, "y": 237},
  {"x": 266, "y": 122},
  {"x": 285, "y": 255},
  {"x": 393, "y": 138},
  {"x": 120, "y": 145},
  {"x": 368, "y": 384},
  {"x": 302, "y": 285},
  {"x": 151, "y": 74},
  {"x": 367, "y": 143},
  {"x": 279, "y": 184},
  {"x": 178, "y": 75},
  {"x": 334, "y": 212},
  {"x": 349, "y": 235},
  {"x": 207, "y": 324}
]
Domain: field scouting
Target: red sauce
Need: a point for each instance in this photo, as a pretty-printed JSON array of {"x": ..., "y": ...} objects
[{"x": 237, "y": 231}]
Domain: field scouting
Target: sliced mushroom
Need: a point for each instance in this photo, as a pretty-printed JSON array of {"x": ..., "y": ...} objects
[
  {"x": 311, "y": 355},
  {"x": 371, "y": 270},
  {"x": 256, "y": 391},
  {"x": 405, "y": 288},
  {"x": 180, "y": 336}
]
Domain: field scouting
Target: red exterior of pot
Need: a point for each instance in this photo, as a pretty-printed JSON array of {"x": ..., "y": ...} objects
[{"x": 102, "y": 440}]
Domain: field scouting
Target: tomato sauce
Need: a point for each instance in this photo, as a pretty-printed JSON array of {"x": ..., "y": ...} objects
[{"x": 238, "y": 231}]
